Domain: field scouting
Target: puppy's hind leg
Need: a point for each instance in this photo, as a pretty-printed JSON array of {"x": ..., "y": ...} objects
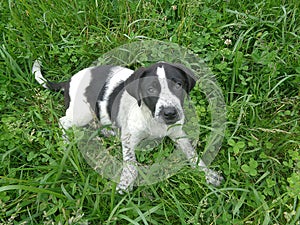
[
  {"x": 107, "y": 132},
  {"x": 65, "y": 123}
]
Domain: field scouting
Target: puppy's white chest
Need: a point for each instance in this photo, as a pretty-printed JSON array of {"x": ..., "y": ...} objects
[{"x": 143, "y": 124}]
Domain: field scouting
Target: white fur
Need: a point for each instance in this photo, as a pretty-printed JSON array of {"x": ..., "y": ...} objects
[
  {"x": 166, "y": 98},
  {"x": 36, "y": 70},
  {"x": 79, "y": 111}
]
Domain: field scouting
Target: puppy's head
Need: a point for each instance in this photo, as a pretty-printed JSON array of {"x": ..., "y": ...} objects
[{"x": 162, "y": 88}]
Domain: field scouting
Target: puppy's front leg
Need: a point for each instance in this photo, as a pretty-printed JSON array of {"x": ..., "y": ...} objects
[
  {"x": 212, "y": 177},
  {"x": 129, "y": 171}
]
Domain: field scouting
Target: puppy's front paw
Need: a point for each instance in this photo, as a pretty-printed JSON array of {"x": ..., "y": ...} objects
[
  {"x": 213, "y": 177},
  {"x": 128, "y": 176},
  {"x": 123, "y": 188}
]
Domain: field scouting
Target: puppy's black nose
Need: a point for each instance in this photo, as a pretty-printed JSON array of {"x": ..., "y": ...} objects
[{"x": 170, "y": 115}]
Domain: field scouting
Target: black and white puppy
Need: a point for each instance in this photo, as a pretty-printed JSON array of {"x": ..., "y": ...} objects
[{"x": 146, "y": 103}]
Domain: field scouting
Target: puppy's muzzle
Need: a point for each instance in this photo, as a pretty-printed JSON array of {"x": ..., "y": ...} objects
[{"x": 170, "y": 115}]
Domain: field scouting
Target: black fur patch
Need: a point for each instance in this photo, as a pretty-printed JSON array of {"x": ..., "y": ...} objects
[
  {"x": 114, "y": 101},
  {"x": 62, "y": 86},
  {"x": 67, "y": 95},
  {"x": 96, "y": 88}
]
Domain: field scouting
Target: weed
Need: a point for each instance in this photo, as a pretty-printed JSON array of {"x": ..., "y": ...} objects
[{"x": 252, "y": 47}]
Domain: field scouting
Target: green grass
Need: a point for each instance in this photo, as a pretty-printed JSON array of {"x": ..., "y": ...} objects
[{"x": 41, "y": 182}]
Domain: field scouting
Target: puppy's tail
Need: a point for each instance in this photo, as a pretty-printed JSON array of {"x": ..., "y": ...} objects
[{"x": 36, "y": 71}]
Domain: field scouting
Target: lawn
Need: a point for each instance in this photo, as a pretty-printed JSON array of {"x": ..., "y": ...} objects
[{"x": 252, "y": 48}]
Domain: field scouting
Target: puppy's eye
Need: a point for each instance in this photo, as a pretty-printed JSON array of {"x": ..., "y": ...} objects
[
  {"x": 178, "y": 85},
  {"x": 151, "y": 90}
]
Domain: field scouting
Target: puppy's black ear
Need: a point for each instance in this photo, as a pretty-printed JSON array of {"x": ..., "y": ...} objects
[
  {"x": 132, "y": 84},
  {"x": 190, "y": 76}
]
